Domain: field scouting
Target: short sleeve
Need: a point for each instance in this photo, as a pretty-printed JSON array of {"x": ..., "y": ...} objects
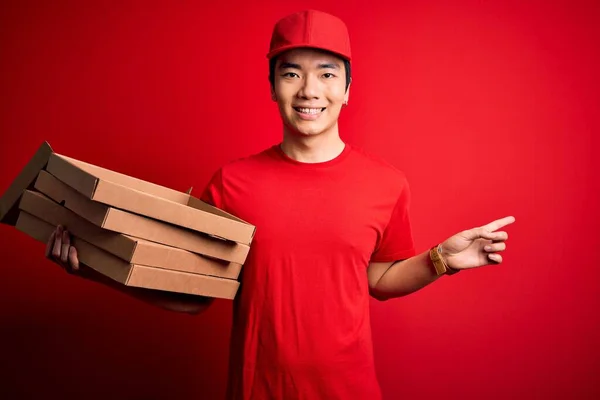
[
  {"x": 213, "y": 192},
  {"x": 397, "y": 241}
]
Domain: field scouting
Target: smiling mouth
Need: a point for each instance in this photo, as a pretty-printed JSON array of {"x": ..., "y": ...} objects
[{"x": 311, "y": 111}]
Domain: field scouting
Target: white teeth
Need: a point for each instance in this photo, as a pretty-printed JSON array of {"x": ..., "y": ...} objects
[{"x": 309, "y": 110}]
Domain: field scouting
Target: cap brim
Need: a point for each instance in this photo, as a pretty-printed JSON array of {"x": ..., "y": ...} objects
[{"x": 282, "y": 49}]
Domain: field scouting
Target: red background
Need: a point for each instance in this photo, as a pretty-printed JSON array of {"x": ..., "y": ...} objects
[{"x": 491, "y": 108}]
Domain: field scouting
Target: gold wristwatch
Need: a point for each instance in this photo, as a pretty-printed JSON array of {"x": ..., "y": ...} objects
[{"x": 441, "y": 268}]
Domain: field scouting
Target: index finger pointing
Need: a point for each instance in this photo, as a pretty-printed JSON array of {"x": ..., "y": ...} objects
[{"x": 499, "y": 223}]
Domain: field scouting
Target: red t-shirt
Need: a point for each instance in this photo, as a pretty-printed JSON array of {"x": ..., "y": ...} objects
[{"x": 301, "y": 324}]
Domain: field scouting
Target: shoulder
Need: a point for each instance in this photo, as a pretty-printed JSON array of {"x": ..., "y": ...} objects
[
  {"x": 248, "y": 163},
  {"x": 233, "y": 174},
  {"x": 375, "y": 164}
]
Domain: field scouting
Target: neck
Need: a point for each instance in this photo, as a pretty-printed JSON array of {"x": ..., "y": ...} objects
[{"x": 312, "y": 148}]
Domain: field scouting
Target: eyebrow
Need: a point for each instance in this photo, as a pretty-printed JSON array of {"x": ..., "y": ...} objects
[
  {"x": 285, "y": 65},
  {"x": 329, "y": 65}
]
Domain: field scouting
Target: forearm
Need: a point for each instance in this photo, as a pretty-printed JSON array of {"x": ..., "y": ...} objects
[
  {"x": 405, "y": 277},
  {"x": 179, "y": 302}
]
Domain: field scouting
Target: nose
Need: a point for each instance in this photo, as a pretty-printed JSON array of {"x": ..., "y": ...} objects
[{"x": 310, "y": 87}]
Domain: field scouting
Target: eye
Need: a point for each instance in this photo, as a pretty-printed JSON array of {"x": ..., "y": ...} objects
[
  {"x": 289, "y": 74},
  {"x": 328, "y": 75}
]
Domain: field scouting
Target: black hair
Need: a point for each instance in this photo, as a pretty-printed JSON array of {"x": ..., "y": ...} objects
[{"x": 273, "y": 63}]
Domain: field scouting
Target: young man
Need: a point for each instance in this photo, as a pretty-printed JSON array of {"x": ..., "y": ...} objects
[{"x": 332, "y": 229}]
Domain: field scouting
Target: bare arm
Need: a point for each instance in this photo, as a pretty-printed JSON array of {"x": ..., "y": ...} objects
[
  {"x": 399, "y": 278},
  {"x": 470, "y": 248},
  {"x": 60, "y": 250}
]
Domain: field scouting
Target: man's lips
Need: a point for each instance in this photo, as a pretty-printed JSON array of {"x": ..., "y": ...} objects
[{"x": 310, "y": 110}]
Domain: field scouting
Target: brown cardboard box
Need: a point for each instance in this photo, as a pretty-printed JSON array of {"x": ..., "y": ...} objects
[
  {"x": 127, "y": 193},
  {"x": 130, "y": 249},
  {"x": 148, "y": 199},
  {"x": 9, "y": 209},
  {"x": 132, "y": 274},
  {"x": 139, "y": 226}
]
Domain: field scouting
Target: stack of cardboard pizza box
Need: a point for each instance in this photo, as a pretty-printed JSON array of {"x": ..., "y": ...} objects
[{"x": 133, "y": 231}]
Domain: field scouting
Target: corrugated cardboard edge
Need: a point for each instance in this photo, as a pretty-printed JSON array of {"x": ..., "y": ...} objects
[
  {"x": 94, "y": 188},
  {"x": 43, "y": 207},
  {"x": 9, "y": 202},
  {"x": 128, "y": 180},
  {"x": 127, "y": 223},
  {"x": 204, "y": 206},
  {"x": 171, "y": 235},
  {"x": 128, "y": 248},
  {"x": 185, "y": 261},
  {"x": 78, "y": 179},
  {"x": 40, "y": 230},
  {"x": 173, "y": 213},
  {"x": 64, "y": 194},
  {"x": 175, "y": 281},
  {"x": 131, "y": 274}
]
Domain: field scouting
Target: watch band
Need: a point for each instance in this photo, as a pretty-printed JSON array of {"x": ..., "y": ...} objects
[{"x": 441, "y": 268}]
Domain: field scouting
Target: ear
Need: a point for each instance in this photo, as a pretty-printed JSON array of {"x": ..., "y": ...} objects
[
  {"x": 347, "y": 94},
  {"x": 273, "y": 95}
]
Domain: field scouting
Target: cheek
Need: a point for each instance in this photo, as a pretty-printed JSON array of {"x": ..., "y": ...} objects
[
  {"x": 336, "y": 95},
  {"x": 282, "y": 100},
  {"x": 286, "y": 90}
]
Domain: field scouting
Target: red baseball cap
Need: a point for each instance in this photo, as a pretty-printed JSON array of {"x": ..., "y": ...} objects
[{"x": 310, "y": 28}]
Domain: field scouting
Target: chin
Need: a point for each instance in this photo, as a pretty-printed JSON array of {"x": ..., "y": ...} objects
[
  {"x": 303, "y": 129},
  {"x": 307, "y": 132}
]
